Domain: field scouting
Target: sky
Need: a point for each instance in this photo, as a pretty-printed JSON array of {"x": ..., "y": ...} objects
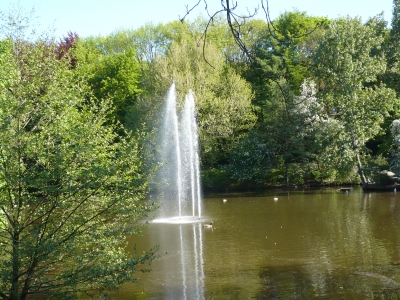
[{"x": 102, "y": 17}]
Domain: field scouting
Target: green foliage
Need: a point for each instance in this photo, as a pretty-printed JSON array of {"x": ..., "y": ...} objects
[
  {"x": 374, "y": 168},
  {"x": 214, "y": 178},
  {"x": 115, "y": 75},
  {"x": 149, "y": 40},
  {"x": 395, "y": 132},
  {"x": 250, "y": 160},
  {"x": 392, "y": 50},
  {"x": 223, "y": 98},
  {"x": 348, "y": 64},
  {"x": 346, "y": 51},
  {"x": 71, "y": 189},
  {"x": 285, "y": 51},
  {"x": 283, "y": 59},
  {"x": 295, "y": 31}
]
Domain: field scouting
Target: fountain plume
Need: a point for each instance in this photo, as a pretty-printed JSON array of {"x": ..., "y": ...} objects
[{"x": 179, "y": 177}]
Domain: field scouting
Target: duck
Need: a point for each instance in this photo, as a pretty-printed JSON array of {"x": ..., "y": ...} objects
[
  {"x": 224, "y": 200},
  {"x": 208, "y": 225}
]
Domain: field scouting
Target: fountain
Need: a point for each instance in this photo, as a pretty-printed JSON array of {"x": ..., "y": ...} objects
[
  {"x": 179, "y": 177},
  {"x": 191, "y": 145},
  {"x": 180, "y": 212}
]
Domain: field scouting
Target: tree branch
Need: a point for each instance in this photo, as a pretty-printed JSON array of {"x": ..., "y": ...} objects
[{"x": 188, "y": 11}]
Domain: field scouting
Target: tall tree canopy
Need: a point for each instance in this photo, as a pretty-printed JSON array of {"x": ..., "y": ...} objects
[{"x": 347, "y": 66}]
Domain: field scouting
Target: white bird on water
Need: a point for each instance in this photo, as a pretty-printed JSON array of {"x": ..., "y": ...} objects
[
  {"x": 208, "y": 225},
  {"x": 224, "y": 200},
  {"x": 276, "y": 198}
]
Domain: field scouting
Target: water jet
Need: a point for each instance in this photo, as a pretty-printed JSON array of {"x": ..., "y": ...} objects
[{"x": 179, "y": 177}]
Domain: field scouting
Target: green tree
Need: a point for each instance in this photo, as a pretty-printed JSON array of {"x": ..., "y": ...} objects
[
  {"x": 347, "y": 65},
  {"x": 71, "y": 190},
  {"x": 149, "y": 41},
  {"x": 392, "y": 48},
  {"x": 223, "y": 98},
  {"x": 295, "y": 35},
  {"x": 114, "y": 75},
  {"x": 395, "y": 131},
  {"x": 284, "y": 147},
  {"x": 282, "y": 61}
]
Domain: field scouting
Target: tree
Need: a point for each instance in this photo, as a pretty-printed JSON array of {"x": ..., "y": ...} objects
[
  {"x": 239, "y": 29},
  {"x": 295, "y": 35},
  {"x": 395, "y": 131},
  {"x": 66, "y": 46},
  {"x": 347, "y": 65},
  {"x": 281, "y": 62},
  {"x": 392, "y": 47},
  {"x": 114, "y": 75},
  {"x": 71, "y": 189},
  {"x": 223, "y": 98},
  {"x": 234, "y": 21}
]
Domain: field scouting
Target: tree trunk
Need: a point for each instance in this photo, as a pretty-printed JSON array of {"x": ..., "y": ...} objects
[
  {"x": 359, "y": 166},
  {"x": 15, "y": 268},
  {"x": 287, "y": 174},
  {"x": 360, "y": 171}
]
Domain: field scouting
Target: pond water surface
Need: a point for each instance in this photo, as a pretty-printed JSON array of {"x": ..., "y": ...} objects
[{"x": 312, "y": 244}]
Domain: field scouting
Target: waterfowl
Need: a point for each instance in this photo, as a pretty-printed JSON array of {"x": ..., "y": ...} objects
[
  {"x": 276, "y": 198},
  {"x": 208, "y": 225},
  {"x": 224, "y": 200}
]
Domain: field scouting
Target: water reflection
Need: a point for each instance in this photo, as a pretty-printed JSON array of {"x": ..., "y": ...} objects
[
  {"x": 179, "y": 273},
  {"x": 191, "y": 257},
  {"x": 335, "y": 285},
  {"x": 307, "y": 245}
]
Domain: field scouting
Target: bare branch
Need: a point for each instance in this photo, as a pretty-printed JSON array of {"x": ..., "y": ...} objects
[
  {"x": 204, "y": 36},
  {"x": 235, "y": 23},
  {"x": 188, "y": 11}
]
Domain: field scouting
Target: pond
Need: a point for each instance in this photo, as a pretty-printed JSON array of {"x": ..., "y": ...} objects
[{"x": 311, "y": 244}]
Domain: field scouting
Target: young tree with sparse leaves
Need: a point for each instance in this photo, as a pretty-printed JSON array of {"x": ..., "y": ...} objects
[{"x": 71, "y": 189}]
